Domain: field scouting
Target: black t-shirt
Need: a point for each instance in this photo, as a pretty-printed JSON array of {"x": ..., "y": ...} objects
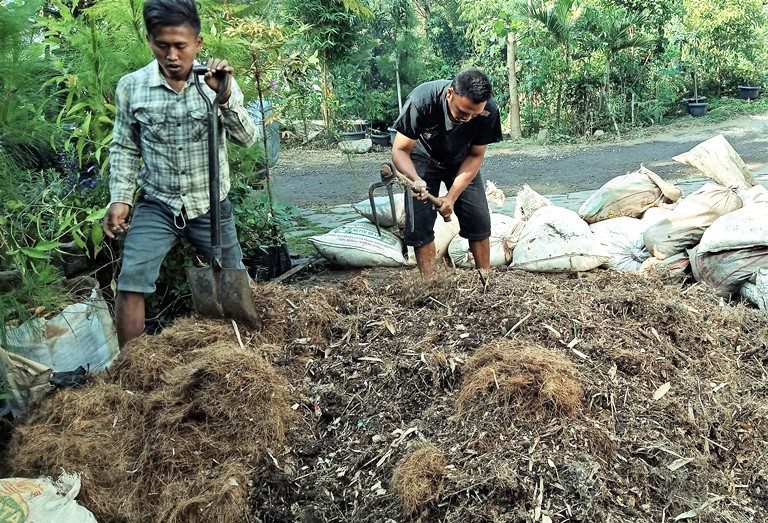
[{"x": 425, "y": 118}]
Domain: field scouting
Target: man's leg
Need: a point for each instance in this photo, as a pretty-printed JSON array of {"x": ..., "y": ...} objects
[
  {"x": 425, "y": 259},
  {"x": 129, "y": 316},
  {"x": 152, "y": 234},
  {"x": 481, "y": 252}
]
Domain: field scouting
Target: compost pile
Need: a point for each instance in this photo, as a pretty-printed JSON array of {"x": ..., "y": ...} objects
[{"x": 377, "y": 396}]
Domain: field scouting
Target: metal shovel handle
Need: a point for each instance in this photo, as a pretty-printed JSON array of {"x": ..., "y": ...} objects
[{"x": 214, "y": 188}]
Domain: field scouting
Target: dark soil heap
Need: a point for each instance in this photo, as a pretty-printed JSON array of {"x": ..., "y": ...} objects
[{"x": 375, "y": 397}]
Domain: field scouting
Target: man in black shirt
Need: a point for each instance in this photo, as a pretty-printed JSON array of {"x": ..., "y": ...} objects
[{"x": 442, "y": 135}]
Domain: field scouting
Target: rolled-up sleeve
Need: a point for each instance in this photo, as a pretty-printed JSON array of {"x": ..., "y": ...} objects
[
  {"x": 124, "y": 153},
  {"x": 237, "y": 121}
]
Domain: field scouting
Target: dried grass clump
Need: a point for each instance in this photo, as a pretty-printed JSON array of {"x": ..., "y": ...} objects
[
  {"x": 144, "y": 361},
  {"x": 182, "y": 451},
  {"x": 192, "y": 333},
  {"x": 418, "y": 478},
  {"x": 412, "y": 289},
  {"x": 288, "y": 313},
  {"x": 232, "y": 392},
  {"x": 520, "y": 381},
  {"x": 96, "y": 430}
]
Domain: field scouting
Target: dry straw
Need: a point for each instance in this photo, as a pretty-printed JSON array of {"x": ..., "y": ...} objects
[
  {"x": 521, "y": 381},
  {"x": 418, "y": 478}
]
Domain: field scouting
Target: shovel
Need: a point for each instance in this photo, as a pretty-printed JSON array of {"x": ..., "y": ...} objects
[{"x": 219, "y": 292}]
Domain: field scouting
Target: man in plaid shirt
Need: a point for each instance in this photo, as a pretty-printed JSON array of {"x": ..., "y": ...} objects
[{"x": 160, "y": 148}]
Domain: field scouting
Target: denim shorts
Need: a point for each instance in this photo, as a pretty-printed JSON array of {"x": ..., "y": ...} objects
[
  {"x": 154, "y": 231},
  {"x": 471, "y": 207}
]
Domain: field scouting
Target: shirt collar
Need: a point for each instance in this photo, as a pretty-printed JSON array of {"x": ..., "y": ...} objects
[
  {"x": 156, "y": 78},
  {"x": 449, "y": 124}
]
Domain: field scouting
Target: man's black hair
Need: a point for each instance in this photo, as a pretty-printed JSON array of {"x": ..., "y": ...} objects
[
  {"x": 170, "y": 13},
  {"x": 472, "y": 84}
]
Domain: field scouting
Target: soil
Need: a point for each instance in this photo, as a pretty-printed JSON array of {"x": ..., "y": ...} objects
[
  {"x": 371, "y": 397},
  {"x": 316, "y": 179}
]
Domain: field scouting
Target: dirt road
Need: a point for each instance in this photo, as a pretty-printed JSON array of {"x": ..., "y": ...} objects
[{"x": 317, "y": 179}]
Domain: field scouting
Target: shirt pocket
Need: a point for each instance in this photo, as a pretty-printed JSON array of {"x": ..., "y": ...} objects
[
  {"x": 153, "y": 124},
  {"x": 198, "y": 125}
]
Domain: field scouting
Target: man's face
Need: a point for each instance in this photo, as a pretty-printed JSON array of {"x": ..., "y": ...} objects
[
  {"x": 462, "y": 109},
  {"x": 175, "y": 49}
]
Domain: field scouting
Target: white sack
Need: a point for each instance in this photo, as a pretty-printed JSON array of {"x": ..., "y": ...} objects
[
  {"x": 756, "y": 194},
  {"x": 727, "y": 271},
  {"x": 41, "y": 500},
  {"x": 555, "y": 239},
  {"x": 504, "y": 230},
  {"x": 621, "y": 239},
  {"x": 686, "y": 224},
  {"x": 527, "y": 202},
  {"x": 383, "y": 210},
  {"x": 655, "y": 214},
  {"x": 628, "y": 195},
  {"x": 357, "y": 244},
  {"x": 445, "y": 232},
  {"x": 757, "y": 292},
  {"x": 719, "y": 161},
  {"x": 740, "y": 229},
  {"x": 83, "y": 334}
]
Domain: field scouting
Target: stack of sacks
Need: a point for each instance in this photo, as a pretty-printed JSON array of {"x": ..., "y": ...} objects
[
  {"x": 504, "y": 231},
  {"x": 685, "y": 225},
  {"x": 733, "y": 249},
  {"x": 716, "y": 159},
  {"x": 359, "y": 245},
  {"x": 614, "y": 213}
]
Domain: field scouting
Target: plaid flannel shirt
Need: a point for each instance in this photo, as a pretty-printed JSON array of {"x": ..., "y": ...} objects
[{"x": 161, "y": 141}]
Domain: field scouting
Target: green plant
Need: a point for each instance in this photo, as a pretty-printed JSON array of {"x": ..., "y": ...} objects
[
  {"x": 35, "y": 294},
  {"x": 90, "y": 50},
  {"x": 25, "y": 126},
  {"x": 42, "y": 210},
  {"x": 256, "y": 219}
]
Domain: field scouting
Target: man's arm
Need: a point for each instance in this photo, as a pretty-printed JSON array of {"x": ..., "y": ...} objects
[
  {"x": 124, "y": 160},
  {"x": 401, "y": 157},
  {"x": 467, "y": 172},
  {"x": 237, "y": 121}
]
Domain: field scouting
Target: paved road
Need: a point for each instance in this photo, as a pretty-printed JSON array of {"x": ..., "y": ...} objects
[{"x": 321, "y": 179}]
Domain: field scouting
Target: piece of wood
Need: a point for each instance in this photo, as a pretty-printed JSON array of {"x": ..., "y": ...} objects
[{"x": 295, "y": 270}]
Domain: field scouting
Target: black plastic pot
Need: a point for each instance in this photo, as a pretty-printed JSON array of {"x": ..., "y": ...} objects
[
  {"x": 694, "y": 100},
  {"x": 749, "y": 92},
  {"x": 352, "y": 135},
  {"x": 267, "y": 262},
  {"x": 380, "y": 139},
  {"x": 697, "y": 109}
]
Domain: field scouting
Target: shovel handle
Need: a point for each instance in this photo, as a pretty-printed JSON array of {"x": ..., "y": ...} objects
[{"x": 437, "y": 202}]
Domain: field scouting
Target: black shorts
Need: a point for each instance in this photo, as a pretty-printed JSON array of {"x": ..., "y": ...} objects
[{"x": 471, "y": 208}]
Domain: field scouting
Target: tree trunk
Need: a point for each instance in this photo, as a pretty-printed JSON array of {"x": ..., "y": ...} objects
[
  {"x": 397, "y": 80},
  {"x": 515, "y": 130},
  {"x": 324, "y": 98}
]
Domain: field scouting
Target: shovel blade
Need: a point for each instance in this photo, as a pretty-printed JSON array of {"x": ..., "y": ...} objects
[{"x": 223, "y": 294}]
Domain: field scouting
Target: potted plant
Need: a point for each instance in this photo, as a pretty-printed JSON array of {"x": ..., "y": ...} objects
[
  {"x": 354, "y": 129},
  {"x": 697, "y": 105},
  {"x": 749, "y": 92}
]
